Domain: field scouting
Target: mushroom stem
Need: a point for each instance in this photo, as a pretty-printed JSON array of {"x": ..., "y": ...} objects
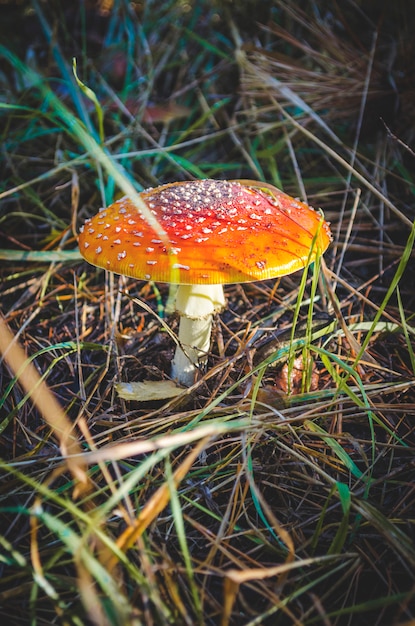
[{"x": 196, "y": 305}]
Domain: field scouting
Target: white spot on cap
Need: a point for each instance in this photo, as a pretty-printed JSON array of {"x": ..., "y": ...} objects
[
  {"x": 179, "y": 266},
  {"x": 98, "y": 250},
  {"x": 121, "y": 255}
]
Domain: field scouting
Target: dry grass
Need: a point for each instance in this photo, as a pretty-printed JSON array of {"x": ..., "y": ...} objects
[{"x": 279, "y": 489}]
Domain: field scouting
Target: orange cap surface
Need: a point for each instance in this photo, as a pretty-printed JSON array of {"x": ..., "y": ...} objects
[{"x": 218, "y": 231}]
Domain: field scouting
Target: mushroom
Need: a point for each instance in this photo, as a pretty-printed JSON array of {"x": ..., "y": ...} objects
[{"x": 219, "y": 232}]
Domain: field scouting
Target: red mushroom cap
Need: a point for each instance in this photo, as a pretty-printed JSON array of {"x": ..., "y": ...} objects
[{"x": 219, "y": 232}]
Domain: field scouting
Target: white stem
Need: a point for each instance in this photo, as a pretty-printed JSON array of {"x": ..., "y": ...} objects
[
  {"x": 194, "y": 336},
  {"x": 196, "y": 305}
]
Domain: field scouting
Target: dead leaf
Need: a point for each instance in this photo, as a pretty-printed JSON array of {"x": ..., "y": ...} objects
[{"x": 148, "y": 390}]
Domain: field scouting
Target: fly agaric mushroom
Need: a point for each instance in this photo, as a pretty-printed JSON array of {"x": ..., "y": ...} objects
[{"x": 219, "y": 232}]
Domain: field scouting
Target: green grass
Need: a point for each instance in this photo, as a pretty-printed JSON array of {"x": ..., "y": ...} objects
[{"x": 279, "y": 489}]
